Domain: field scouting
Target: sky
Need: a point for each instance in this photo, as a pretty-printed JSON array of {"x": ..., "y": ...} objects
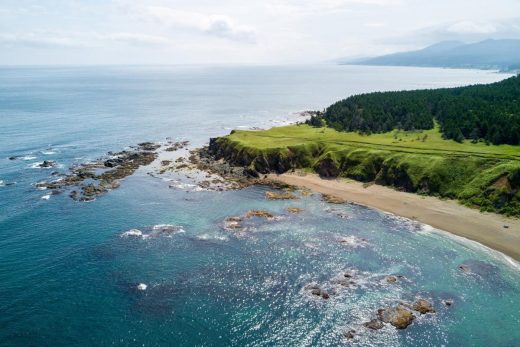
[{"x": 41, "y": 32}]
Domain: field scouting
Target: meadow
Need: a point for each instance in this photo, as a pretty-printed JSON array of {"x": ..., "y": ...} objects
[{"x": 477, "y": 174}]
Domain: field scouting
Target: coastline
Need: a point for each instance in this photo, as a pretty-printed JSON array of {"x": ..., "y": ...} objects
[{"x": 447, "y": 215}]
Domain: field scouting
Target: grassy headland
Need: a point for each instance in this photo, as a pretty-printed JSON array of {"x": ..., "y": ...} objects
[{"x": 476, "y": 174}]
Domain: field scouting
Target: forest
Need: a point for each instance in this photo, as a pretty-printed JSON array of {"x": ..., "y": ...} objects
[{"x": 489, "y": 113}]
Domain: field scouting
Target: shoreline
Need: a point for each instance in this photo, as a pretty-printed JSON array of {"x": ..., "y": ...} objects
[{"x": 487, "y": 229}]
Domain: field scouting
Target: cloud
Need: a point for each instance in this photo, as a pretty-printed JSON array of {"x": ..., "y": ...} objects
[
  {"x": 136, "y": 39},
  {"x": 73, "y": 39},
  {"x": 468, "y": 27},
  {"x": 38, "y": 40},
  {"x": 212, "y": 25}
]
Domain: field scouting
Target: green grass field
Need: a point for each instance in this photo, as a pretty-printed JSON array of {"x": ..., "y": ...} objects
[
  {"x": 478, "y": 175},
  {"x": 425, "y": 142}
]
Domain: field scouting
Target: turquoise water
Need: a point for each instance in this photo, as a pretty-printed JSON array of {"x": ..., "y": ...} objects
[{"x": 69, "y": 276}]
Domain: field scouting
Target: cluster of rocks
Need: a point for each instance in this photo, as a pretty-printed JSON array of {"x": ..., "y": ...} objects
[
  {"x": 326, "y": 290},
  {"x": 401, "y": 315},
  {"x": 235, "y": 177},
  {"x": 243, "y": 223},
  {"x": 47, "y": 164},
  {"x": 175, "y": 146},
  {"x": 237, "y": 222},
  {"x": 90, "y": 180}
]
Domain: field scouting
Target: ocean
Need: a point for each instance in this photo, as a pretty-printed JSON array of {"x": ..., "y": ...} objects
[{"x": 72, "y": 275}]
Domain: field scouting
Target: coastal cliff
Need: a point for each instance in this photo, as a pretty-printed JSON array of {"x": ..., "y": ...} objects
[{"x": 488, "y": 183}]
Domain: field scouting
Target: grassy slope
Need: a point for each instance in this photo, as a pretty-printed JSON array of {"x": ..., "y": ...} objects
[{"x": 483, "y": 176}]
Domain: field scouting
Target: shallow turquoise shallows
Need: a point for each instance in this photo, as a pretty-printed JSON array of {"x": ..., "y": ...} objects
[{"x": 69, "y": 275}]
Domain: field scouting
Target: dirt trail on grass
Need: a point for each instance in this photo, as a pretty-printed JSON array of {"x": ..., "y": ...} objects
[{"x": 486, "y": 228}]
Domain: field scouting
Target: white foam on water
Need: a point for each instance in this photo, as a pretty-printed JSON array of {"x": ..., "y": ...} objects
[
  {"x": 206, "y": 237},
  {"x": 46, "y": 197},
  {"x": 29, "y": 157},
  {"x": 499, "y": 256},
  {"x": 2, "y": 184},
  {"x": 142, "y": 286},
  {"x": 353, "y": 241},
  {"x": 48, "y": 152},
  {"x": 133, "y": 233}
]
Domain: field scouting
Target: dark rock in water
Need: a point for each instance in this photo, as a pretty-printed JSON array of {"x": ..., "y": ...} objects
[
  {"x": 316, "y": 290},
  {"x": 447, "y": 303},
  {"x": 374, "y": 324},
  {"x": 279, "y": 196},
  {"x": 14, "y": 157},
  {"x": 391, "y": 279},
  {"x": 233, "y": 219},
  {"x": 148, "y": 146},
  {"x": 400, "y": 316},
  {"x": 47, "y": 164},
  {"x": 112, "y": 162},
  {"x": 423, "y": 306},
  {"x": 259, "y": 213},
  {"x": 350, "y": 334}
]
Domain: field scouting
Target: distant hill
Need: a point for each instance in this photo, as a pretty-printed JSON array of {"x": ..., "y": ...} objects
[{"x": 489, "y": 54}]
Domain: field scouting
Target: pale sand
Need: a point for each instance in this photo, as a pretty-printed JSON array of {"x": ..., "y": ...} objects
[{"x": 485, "y": 228}]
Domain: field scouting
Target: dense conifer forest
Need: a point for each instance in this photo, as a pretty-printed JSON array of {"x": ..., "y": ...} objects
[{"x": 488, "y": 113}]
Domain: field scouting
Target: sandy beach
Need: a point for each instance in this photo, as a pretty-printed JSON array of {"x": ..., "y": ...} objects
[{"x": 493, "y": 230}]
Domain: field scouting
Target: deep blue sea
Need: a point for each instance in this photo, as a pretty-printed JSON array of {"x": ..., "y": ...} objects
[{"x": 70, "y": 277}]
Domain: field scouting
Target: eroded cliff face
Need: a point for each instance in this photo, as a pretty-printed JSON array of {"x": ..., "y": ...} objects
[{"x": 492, "y": 185}]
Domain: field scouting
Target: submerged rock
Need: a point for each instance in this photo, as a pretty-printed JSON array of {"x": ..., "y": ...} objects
[
  {"x": 280, "y": 196},
  {"x": 333, "y": 199},
  {"x": 350, "y": 334},
  {"x": 294, "y": 210},
  {"x": 316, "y": 290},
  {"x": 47, "y": 164},
  {"x": 374, "y": 324},
  {"x": 391, "y": 279},
  {"x": 423, "y": 306},
  {"x": 259, "y": 213},
  {"x": 399, "y": 316}
]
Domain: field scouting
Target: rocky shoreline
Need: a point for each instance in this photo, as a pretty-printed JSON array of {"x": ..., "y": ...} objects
[{"x": 87, "y": 181}]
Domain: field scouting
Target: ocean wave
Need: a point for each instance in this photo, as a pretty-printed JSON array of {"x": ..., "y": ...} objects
[
  {"x": 494, "y": 254},
  {"x": 157, "y": 230},
  {"x": 207, "y": 237},
  {"x": 28, "y": 157},
  {"x": 2, "y": 184},
  {"x": 48, "y": 152},
  {"x": 142, "y": 286},
  {"x": 353, "y": 241},
  {"x": 46, "y": 197},
  {"x": 132, "y": 233}
]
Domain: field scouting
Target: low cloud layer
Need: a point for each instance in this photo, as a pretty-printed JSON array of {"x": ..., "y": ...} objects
[{"x": 234, "y": 31}]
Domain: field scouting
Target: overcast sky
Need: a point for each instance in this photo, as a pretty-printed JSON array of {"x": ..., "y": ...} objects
[{"x": 239, "y": 31}]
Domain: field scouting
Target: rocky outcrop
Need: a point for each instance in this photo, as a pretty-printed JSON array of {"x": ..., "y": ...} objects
[
  {"x": 90, "y": 180},
  {"x": 399, "y": 316}
]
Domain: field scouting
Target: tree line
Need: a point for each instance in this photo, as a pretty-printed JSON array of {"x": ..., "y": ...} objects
[{"x": 480, "y": 112}]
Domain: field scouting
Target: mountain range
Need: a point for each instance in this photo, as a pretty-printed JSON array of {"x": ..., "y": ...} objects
[{"x": 501, "y": 54}]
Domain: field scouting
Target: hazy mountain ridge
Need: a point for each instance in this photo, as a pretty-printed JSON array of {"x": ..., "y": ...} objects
[{"x": 489, "y": 54}]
